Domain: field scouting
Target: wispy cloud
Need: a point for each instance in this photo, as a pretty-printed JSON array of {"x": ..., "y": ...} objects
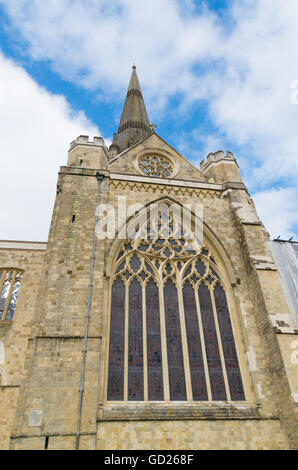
[
  {"x": 240, "y": 65},
  {"x": 36, "y": 127}
]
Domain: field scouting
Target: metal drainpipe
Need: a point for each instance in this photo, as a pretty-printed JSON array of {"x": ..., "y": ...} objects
[{"x": 99, "y": 178}]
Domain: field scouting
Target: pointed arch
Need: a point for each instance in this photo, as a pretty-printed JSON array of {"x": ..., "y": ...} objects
[
  {"x": 210, "y": 239},
  {"x": 192, "y": 339}
]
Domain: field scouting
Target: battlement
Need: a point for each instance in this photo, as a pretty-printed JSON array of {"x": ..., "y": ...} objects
[
  {"x": 216, "y": 157},
  {"x": 84, "y": 140}
]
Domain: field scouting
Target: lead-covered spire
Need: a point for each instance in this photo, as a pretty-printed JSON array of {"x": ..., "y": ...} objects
[{"x": 134, "y": 123}]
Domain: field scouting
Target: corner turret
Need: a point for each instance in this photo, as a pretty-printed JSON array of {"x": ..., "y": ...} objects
[
  {"x": 84, "y": 153},
  {"x": 221, "y": 168}
]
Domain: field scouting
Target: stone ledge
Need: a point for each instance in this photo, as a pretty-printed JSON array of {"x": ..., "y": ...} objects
[
  {"x": 166, "y": 181},
  {"x": 9, "y": 386},
  {"x": 282, "y": 324},
  {"x": 245, "y": 213},
  {"x": 177, "y": 412},
  {"x": 4, "y": 323},
  {"x": 264, "y": 263},
  {"x": 233, "y": 185},
  {"x": 51, "y": 434},
  {"x": 22, "y": 245}
]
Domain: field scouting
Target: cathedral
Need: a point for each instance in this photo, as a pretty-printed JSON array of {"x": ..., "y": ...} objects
[{"x": 129, "y": 332}]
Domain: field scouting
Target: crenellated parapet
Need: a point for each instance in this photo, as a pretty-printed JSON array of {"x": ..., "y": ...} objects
[
  {"x": 221, "y": 167},
  {"x": 84, "y": 140},
  {"x": 88, "y": 154}
]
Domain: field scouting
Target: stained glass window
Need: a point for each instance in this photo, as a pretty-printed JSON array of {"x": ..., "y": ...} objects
[
  {"x": 211, "y": 345},
  {"x": 197, "y": 373},
  {"x": 10, "y": 281},
  {"x": 154, "y": 355},
  {"x": 116, "y": 350},
  {"x": 228, "y": 344},
  {"x": 174, "y": 344},
  {"x": 170, "y": 320},
  {"x": 135, "y": 343}
]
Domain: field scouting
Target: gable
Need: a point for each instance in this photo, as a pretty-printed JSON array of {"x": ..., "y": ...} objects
[{"x": 180, "y": 168}]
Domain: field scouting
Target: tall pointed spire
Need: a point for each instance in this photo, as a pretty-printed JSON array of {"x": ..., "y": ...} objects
[{"x": 134, "y": 123}]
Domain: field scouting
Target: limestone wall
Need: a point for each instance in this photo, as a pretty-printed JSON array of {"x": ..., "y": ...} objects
[{"x": 14, "y": 335}]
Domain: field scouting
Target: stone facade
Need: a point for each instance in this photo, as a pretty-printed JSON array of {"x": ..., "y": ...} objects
[
  {"x": 44, "y": 342},
  {"x": 14, "y": 336}
]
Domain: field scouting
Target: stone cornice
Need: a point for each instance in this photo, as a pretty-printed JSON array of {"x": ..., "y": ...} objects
[
  {"x": 165, "y": 181},
  {"x": 22, "y": 245}
]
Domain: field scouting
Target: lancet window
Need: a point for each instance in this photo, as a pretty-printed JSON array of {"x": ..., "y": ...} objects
[{"x": 10, "y": 281}]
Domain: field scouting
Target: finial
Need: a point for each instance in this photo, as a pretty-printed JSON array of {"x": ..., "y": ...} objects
[
  {"x": 134, "y": 67},
  {"x": 153, "y": 126}
]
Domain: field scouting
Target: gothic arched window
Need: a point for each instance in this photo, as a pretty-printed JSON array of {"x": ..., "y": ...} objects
[
  {"x": 171, "y": 337},
  {"x": 10, "y": 281}
]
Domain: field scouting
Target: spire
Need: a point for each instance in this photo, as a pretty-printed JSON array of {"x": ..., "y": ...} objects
[{"x": 134, "y": 124}]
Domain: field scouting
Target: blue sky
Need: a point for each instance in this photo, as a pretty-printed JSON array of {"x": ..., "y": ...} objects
[{"x": 214, "y": 74}]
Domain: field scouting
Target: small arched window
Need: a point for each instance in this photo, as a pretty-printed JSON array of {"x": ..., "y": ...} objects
[
  {"x": 10, "y": 281},
  {"x": 171, "y": 337}
]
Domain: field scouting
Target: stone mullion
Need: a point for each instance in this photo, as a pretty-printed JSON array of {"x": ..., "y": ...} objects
[
  {"x": 203, "y": 346},
  {"x": 184, "y": 342},
  {"x": 126, "y": 341},
  {"x": 1, "y": 287},
  {"x": 145, "y": 367},
  {"x": 165, "y": 369},
  {"x": 2, "y": 280}
]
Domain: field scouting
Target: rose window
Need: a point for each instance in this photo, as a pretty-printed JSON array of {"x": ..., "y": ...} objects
[{"x": 155, "y": 165}]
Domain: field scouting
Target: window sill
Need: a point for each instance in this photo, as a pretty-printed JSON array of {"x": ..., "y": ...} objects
[
  {"x": 4, "y": 323},
  {"x": 176, "y": 411}
]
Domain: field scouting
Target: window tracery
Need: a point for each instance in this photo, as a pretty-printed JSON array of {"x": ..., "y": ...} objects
[
  {"x": 171, "y": 337},
  {"x": 10, "y": 281},
  {"x": 155, "y": 165}
]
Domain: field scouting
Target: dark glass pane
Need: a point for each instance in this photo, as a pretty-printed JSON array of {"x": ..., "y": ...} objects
[
  {"x": 200, "y": 267},
  {"x": 135, "y": 343},
  {"x": 214, "y": 273},
  {"x": 228, "y": 344},
  {"x": 188, "y": 271},
  {"x": 174, "y": 345},
  {"x": 154, "y": 358},
  {"x": 211, "y": 344},
  {"x": 116, "y": 351},
  {"x": 135, "y": 263},
  {"x": 198, "y": 381},
  {"x": 120, "y": 267}
]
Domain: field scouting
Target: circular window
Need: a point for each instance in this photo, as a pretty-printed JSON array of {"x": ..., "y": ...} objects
[{"x": 155, "y": 165}]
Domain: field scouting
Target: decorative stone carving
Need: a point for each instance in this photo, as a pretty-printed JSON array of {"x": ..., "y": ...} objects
[{"x": 155, "y": 165}]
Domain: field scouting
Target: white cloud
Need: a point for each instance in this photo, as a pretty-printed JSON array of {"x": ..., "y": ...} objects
[
  {"x": 242, "y": 65},
  {"x": 251, "y": 99},
  {"x": 277, "y": 209},
  {"x": 36, "y": 128},
  {"x": 93, "y": 42}
]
